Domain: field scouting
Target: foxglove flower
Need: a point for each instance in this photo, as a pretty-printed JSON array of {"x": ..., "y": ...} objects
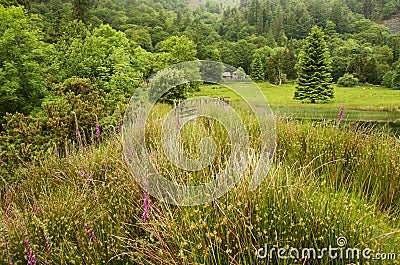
[
  {"x": 90, "y": 179},
  {"x": 31, "y": 258},
  {"x": 48, "y": 246},
  {"x": 146, "y": 205},
  {"x": 97, "y": 128},
  {"x": 91, "y": 234},
  {"x": 55, "y": 150},
  {"x": 340, "y": 116}
]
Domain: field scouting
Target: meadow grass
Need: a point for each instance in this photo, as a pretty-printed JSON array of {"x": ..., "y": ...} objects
[
  {"x": 325, "y": 182},
  {"x": 364, "y": 103}
]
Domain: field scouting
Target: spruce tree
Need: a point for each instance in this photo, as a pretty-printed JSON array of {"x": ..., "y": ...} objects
[
  {"x": 257, "y": 69},
  {"x": 314, "y": 81}
]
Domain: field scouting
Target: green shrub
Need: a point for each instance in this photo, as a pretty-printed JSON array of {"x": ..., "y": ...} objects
[
  {"x": 387, "y": 79},
  {"x": 347, "y": 80},
  {"x": 27, "y": 138},
  {"x": 396, "y": 80}
]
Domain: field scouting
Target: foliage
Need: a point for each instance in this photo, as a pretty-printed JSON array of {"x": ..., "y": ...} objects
[
  {"x": 257, "y": 69},
  {"x": 387, "y": 79},
  {"x": 164, "y": 79},
  {"x": 347, "y": 80},
  {"x": 363, "y": 66},
  {"x": 23, "y": 62},
  {"x": 78, "y": 103},
  {"x": 314, "y": 76},
  {"x": 280, "y": 65},
  {"x": 396, "y": 79},
  {"x": 177, "y": 49},
  {"x": 105, "y": 57}
]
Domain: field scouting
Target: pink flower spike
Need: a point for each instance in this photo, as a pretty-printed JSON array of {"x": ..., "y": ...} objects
[
  {"x": 48, "y": 246},
  {"x": 31, "y": 258},
  {"x": 55, "y": 149},
  {"x": 97, "y": 128},
  {"x": 340, "y": 116},
  {"x": 91, "y": 234},
  {"x": 8, "y": 205},
  {"x": 90, "y": 179},
  {"x": 146, "y": 204}
]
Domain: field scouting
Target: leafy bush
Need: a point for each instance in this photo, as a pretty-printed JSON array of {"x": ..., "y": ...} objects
[
  {"x": 388, "y": 79},
  {"x": 347, "y": 80},
  {"x": 168, "y": 78},
  {"x": 68, "y": 118},
  {"x": 396, "y": 80}
]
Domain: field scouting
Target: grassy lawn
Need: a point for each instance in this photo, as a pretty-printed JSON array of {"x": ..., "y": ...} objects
[{"x": 369, "y": 103}]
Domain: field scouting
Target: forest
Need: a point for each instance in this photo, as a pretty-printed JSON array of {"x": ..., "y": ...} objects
[{"x": 68, "y": 69}]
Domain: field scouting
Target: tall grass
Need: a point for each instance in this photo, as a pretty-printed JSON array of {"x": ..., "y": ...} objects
[{"x": 325, "y": 182}]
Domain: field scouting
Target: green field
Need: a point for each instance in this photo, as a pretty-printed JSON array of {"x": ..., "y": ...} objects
[{"x": 369, "y": 103}]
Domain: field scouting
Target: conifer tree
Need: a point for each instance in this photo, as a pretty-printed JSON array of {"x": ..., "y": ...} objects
[
  {"x": 314, "y": 80},
  {"x": 257, "y": 69}
]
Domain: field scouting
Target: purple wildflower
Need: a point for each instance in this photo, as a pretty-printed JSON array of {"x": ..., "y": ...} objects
[
  {"x": 8, "y": 206},
  {"x": 48, "y": 246},
  {"x": 97, "y": 128},
  {"x": 91, "y": 234},
  {"x": 132, "y": 151},
  {"x": 31, "y": 258},
  {"x": 340, "y": 116},
  {"x": 82, "y": 173},
  {"x": 34, "y": 211},
  {"x": 146, "y": 205},
  {"x": 55, "y": 149},
  {"x": 90, "y": 179}
]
